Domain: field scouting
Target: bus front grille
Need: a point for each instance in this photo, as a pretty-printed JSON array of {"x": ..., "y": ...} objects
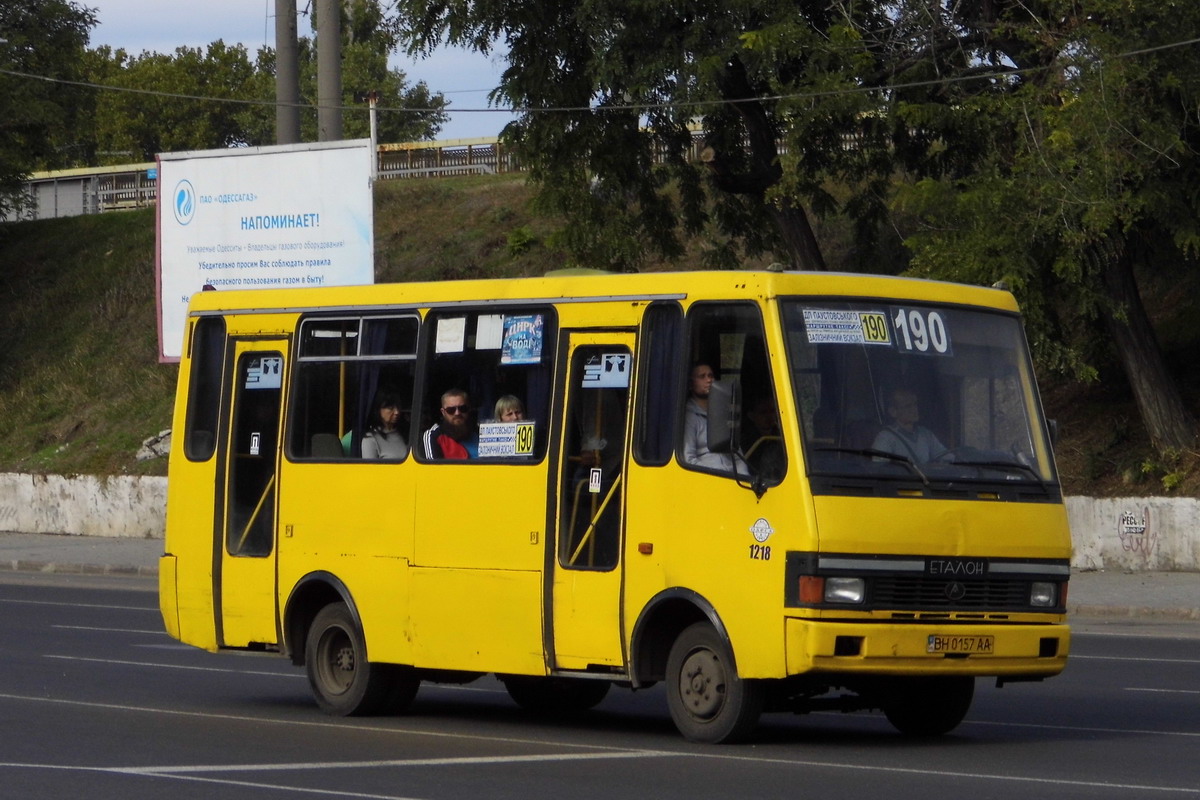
[{"x": 901, "y": 592}]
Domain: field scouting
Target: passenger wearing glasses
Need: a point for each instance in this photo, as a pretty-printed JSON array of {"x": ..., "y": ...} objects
[{"x": 456, "y": 436}]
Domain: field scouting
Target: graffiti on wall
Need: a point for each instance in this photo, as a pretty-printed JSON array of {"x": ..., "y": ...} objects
[{"x": 1136, "y": 533}]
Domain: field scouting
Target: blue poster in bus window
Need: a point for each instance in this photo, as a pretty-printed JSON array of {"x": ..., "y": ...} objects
[{"x": 522, "y": 340}]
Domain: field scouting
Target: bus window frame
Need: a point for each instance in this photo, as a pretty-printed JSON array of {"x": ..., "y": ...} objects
[
  {"x": 300, "y": 361},
  {"x": 424, "y": 378},
  {"x": 694, "y": 355},
  {"x": 213, "y": 402},
  {"x": 659, "y": 410}
]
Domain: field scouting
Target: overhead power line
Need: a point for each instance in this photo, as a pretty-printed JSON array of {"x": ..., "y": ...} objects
[{"x": 688, "y": 104}]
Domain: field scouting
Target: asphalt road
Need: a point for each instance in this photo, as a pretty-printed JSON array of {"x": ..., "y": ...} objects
[{"x": 97, "y": 702}]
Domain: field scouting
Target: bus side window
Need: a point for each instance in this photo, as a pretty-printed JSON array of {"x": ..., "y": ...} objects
[
  {"x": 204, "y": 393},
  {"x": 490, "y": 355},
  {"x": 343, "y": 366},
  {"x": 728, "y": 339},
  {"x": 658, "y": 405}
]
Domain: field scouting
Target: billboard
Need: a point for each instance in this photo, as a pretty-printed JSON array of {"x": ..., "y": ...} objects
[{"x": 260, "y": 218}]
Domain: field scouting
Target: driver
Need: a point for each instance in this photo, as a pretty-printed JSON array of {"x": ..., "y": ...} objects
[{"x": 904, "y": 437}]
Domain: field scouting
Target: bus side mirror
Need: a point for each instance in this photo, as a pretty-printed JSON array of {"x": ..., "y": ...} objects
[
  {"x": 1052, "y": 427},
  {"x": 724, "y": 417}
]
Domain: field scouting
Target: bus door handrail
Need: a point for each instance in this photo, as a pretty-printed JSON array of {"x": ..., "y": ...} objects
[
  {"x": 254, "y": 516},
  {"x": 588, "y": 535}
]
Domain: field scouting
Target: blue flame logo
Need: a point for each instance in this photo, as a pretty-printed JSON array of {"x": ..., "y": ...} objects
[{"x": 184, "y": 202}]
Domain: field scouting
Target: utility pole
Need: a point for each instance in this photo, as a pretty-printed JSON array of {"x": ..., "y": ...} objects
[
  {"x": 287, "y": 74},
  {"x": 329, "y": 70},
  {"x": 374, "y": 98}
]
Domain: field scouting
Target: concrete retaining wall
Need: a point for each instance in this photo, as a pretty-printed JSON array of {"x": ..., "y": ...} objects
[
  {"x": 83, "y": 505},
  {"x": 1136, "y": 533},
  {"x": 1127, "y": 533}
]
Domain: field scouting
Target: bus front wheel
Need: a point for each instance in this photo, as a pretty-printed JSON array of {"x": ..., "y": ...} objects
[
  {"x": 929, "y": 706},
  {"x": 708, "y": 701},
  {"x": 343, "y": 682}
]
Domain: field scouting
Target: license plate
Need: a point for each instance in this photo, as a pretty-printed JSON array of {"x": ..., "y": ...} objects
[{"x": 940, "y": 643}]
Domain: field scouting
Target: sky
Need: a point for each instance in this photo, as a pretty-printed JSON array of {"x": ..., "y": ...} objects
[{"x": 464, "y": 77}]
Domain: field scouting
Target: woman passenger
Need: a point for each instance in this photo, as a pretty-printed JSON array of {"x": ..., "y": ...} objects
[{"x": 382, "y": 438}]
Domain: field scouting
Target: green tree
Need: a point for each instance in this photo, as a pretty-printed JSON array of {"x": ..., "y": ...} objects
[
  {"x": 41, "y": 39},
  {"x": 1069, "y": 176},
  {"x": 1048, "y": 143},
  {"x": 217, "y": 96},
  {"x": 613, "y": 96},
  {"x": 193, "y": 99}
]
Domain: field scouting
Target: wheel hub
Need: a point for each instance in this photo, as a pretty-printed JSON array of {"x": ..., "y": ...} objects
[
  {"x": 702, "y": 684},
  {"x": 343, "y": 659}
]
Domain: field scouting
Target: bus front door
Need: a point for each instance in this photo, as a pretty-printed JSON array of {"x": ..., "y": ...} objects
[
  {"x": 244, "y": 572},
  {"x": 587, "y": 564}
]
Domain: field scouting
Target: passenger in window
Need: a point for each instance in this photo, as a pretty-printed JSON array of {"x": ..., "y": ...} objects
[
  {"x": 695, "y": 433},
  {"x": 456, "y": 436},
  {"x": 382, "y": 438},
  {"x": 904, "y": 436},
  {"x": 509, "y": 408}
]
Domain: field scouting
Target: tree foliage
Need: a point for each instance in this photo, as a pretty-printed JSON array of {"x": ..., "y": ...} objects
[
  {"x": 218, "y": 96},
  {"x": 613, "y": 97},
  {"x": 46, "y": 39},
  {"x": 1068, "y": 176},
  {"x": 1048, "y": 143}
]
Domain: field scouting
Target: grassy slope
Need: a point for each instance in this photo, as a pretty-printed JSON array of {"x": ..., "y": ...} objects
[{"x": 80, "y": 386}]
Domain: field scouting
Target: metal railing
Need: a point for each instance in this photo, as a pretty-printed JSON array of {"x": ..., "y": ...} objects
[{"x": 95, "y": 190}]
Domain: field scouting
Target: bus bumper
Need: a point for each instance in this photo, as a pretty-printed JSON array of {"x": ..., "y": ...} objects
[
  {"x": 1014, "y": 651},
  {"x": 168, "y": 602}
]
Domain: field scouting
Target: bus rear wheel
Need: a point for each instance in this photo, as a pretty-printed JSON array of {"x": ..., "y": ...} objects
[
  {"x": 343, "y": 681},
  {"x": 929, "y": 706},
  {"x": 708, "y": 701},
  {"x": 553, "y": 696}
]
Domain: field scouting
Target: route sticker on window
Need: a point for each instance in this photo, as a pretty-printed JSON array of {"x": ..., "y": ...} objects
[
  {"x": 265, "y": 373},
  {"x": 505, "y": 439},
  {"x": 607, "y": 371},
  {"x": 837, "y": 326}
]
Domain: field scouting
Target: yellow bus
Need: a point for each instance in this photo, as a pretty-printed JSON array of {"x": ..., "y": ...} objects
[{"x": 770, "y": 491}]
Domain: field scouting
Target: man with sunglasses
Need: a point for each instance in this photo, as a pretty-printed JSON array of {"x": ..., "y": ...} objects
[{"x": 456, "y": 435}]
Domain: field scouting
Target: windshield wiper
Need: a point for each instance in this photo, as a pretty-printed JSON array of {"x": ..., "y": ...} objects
[{"x": 873, "y": 453}]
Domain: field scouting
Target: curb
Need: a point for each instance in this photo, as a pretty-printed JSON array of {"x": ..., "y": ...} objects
[
  {"x": 52, "y": 567},
  {"x": 1082, "y": 610},
  {"x": 1133, "y": 612}
]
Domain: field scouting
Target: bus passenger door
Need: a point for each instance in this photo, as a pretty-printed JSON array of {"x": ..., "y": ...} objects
[
  {"x": 244, "y": 572},
  {"x": 587, "y": 564}
]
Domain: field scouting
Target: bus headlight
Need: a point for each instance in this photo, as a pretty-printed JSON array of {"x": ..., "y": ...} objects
[
  {"x": 1043, "y": 594},
  {"x": 845, "y": 590}
]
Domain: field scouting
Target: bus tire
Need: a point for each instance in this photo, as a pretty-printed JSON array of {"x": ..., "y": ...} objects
[
  {"x": 343, "y": 682},
  {"x": 708, "y": 701},
  {"x": 554, "y": 696},
  {"x": 929, "y": 706}
]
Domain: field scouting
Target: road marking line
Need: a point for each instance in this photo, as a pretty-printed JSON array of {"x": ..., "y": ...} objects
[
  {"x": 334, "y": 725},
  {"x": 118, "y": 662},
  {"x": 287, "y": 789},
  {"x": 106, "y": 630},
  {"x": 192, "y": 773},
  {"x": 397, "y": 762},
  {"x": 1078, "y": 729},
  {"x": 78, "y": 605},
  {"x": 1164, "y": 691},
  {"x": 1074, "y": 657},
  {"x": 220, "y": 781},
  {"x": 952, "y": 774},
  {"x": 121, "y": 663},
  {"x": 259, "y": 720}
]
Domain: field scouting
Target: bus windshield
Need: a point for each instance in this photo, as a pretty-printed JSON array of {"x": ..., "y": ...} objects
[{"x": 899, "y": 392}]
